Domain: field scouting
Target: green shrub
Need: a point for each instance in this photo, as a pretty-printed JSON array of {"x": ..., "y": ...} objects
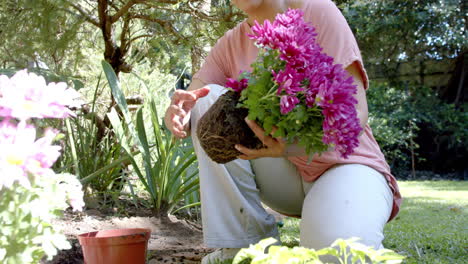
[
  {"x": 402, "y": 117},
  {"x": 167, "y": 168},
  {"x": 86, "y": 152},
  {"x": 88, "y": 148},
  {"x": 391, "y": 120}
]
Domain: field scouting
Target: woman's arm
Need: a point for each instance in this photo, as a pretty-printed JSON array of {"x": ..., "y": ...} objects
[{"x": 361, "y": 107}]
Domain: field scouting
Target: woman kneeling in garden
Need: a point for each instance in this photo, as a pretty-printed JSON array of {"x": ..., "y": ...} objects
[{"x": 335, "y": 197}]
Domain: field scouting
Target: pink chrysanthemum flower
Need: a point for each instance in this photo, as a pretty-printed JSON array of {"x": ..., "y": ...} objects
[
  {"x": 236, "y": 85},
  {"x": 289, "y": 81},
  {"x": 287, "y": 103},
  {"x": 22, "y": 155},
  {"x": 308, "y": 77},
  {"x": 27, "y": 95}
]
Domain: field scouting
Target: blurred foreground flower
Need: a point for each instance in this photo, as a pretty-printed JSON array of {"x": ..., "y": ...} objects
[
  {"x": 32, "y": 194},
  {"x": 23, "y": 156},
  {"x": 27, "y": 95}
]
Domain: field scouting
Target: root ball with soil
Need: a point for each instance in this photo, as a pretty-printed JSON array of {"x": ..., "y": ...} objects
[{"x": 223, "y": 126}]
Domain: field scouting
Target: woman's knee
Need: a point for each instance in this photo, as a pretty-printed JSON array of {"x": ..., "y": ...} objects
[
  {"x": 280, "y": 185},
  {"x": 347, "y": 201},
  {"x": 320, "y": 234}
]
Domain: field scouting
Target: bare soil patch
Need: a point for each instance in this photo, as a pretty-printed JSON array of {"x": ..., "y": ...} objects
[{"x": 172, "y": 240}]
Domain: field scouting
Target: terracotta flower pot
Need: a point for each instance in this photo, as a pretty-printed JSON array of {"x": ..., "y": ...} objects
[{"x": 116, "y": 246}]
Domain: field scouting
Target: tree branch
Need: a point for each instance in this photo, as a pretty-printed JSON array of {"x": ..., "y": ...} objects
[
  {"x": 139, "y": 37},
  {"x": 163, "y": 23},
  {"x": 171, "y": 2},
  {"x": 124, "y": 35},
  {"x": 197, "y": 10},
  {"x": 86, "y": 15},
  {"x": 124, "y": 9},
  {"x": 200, "y": 14}
]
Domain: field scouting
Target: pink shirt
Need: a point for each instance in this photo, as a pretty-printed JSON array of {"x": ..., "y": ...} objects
[{"x": 234, "y": 52}]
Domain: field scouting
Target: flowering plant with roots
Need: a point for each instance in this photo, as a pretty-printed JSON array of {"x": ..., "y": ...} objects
[
  {"x": 32, "y": 195},
  {"x": 297, "y": 89}
]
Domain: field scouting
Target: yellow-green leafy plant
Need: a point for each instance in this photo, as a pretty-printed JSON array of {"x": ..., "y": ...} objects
[{"x": 344, "y": 252}]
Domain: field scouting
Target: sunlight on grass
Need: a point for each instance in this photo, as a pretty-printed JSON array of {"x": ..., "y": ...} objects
[
  {"x": 290, "y": 232},
  {"x": 432, "y": 226}
]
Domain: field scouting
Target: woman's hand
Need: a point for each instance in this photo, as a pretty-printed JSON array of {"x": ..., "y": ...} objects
[
  {"x": 274, "y": 147},
  {"x": 178, "y": 113}
]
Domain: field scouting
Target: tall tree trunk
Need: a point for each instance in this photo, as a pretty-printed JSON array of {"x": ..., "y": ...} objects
[{"x": 113, "y": 53}]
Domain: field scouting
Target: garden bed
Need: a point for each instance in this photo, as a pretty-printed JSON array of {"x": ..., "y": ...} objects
[{"x": 172, "y": 240}]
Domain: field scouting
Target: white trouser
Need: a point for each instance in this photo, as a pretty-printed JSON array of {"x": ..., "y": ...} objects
[{"x": 346, "y": 201}]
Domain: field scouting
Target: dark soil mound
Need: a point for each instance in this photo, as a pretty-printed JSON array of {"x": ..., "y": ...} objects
[{"x": 223, "y": 126}]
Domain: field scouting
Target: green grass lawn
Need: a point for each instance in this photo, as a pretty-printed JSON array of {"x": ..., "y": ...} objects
[{"x": 432, "y": 226}]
